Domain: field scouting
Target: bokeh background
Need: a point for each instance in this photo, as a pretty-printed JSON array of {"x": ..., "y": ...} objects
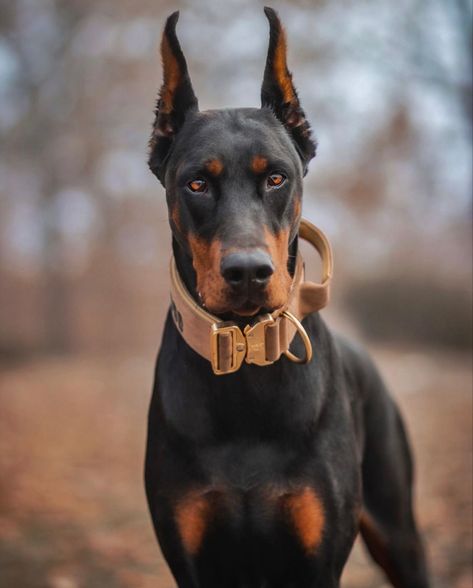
[{"x": 84, "y": 249}]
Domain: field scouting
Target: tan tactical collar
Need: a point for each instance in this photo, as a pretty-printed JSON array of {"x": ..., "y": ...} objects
[{"x": 267, "y": 336}]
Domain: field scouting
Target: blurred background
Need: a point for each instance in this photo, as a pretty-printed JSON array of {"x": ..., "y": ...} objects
[{"x": 84, "y": 249}]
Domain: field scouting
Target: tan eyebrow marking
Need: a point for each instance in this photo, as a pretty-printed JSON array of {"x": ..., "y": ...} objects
[
  {"x": 214, "y": 167},
  {"x": 259, "y": 164}
]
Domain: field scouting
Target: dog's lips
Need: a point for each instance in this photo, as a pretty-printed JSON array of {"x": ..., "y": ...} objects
[
  {"x": 242, "y": 307},
  {"x": 247, "y": 309}
]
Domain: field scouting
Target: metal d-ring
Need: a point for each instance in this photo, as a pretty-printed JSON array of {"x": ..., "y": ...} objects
[{"x": 305, "y": 339}]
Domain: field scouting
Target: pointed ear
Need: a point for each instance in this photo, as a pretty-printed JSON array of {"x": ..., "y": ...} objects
[
  {"x": 176, "y": 98},
  {"x": 279, "y": 94}
]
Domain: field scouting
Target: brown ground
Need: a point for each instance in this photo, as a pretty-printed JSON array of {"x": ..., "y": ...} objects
[{"x": 72, "y": 507}]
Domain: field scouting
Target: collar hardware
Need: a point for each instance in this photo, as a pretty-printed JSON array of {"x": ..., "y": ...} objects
[
  {"x": 305, "y": 339},
  {"x": 256, "y": 340},
  {"x": 260, "y": 343},
  {"x": 227, "y": 348}
]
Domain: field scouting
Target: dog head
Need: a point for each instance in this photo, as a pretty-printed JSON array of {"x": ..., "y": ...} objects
[{"x": 233, "y": 180}]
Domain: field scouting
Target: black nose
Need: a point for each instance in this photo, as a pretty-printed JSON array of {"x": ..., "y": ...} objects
[{"x": 247, "y": 269}]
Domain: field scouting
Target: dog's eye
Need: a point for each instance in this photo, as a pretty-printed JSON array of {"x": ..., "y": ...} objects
[
  {"x": 197, "y": 185},
  {"x": 275, "y": 180}
]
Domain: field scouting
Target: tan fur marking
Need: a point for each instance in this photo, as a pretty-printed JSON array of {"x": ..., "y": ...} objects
[
  {"x": 259, "y": 164},
  {"x": 280, "y": 282},
  {"x": 297, "y": 208},
  {"x": 307, "y": 517},
  {"x": 206, "y": 258},
  {"x": 214, "y": 167},
  {"x": 192, "y": 517},
  {"x": 377, "y": 545},
  {"x": 281, "y": 72},
  {"x": 171, "y": 74},
  {"x": 175, "y": 217}
]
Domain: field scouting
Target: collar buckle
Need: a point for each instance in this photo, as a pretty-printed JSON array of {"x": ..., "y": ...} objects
[
  {"x": 256, "y": 340},
  {"x": 227, "y": 348}
]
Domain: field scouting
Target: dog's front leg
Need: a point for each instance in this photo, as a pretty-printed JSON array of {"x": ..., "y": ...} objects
[
  {"x": 170, "y": 541},
  {"x": 166, "y": 519}
]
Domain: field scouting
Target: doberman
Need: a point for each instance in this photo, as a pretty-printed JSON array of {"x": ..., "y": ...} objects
[{"x": 262, "y": 477}]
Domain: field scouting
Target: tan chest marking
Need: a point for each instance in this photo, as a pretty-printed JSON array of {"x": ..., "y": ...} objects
[
  {"x": 306, "y": 515},
  {"x": 193, "y": 514}
]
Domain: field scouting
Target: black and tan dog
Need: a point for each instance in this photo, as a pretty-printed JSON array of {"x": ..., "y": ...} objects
[{"x": 261, "y": 477}]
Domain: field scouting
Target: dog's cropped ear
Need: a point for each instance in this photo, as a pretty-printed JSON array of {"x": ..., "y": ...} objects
[
  {"x": 279, "y": 94},
  {"x": 176, "y": 98}
]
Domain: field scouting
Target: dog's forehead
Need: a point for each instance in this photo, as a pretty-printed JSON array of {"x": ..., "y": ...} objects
[{"x": 224, "y": 133}]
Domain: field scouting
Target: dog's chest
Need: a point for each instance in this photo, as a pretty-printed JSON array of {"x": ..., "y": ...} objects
[
  {"x": 248, "y": 465},
  {"x": 253, "y": 493},
  {"x": 271, "y": 405}
]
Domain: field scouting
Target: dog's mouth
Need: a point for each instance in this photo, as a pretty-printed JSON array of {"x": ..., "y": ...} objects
[
  {"x": 235, "y": 305},
  {"x": 249, "y": 308},
  {"x": 244, "y": 310}
]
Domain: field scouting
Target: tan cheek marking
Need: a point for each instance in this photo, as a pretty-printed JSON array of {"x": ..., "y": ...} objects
[
  {"x": 281, "y": 73},
  {"x": 214, "y": 167},
  {"x": 280, "y": 283},
  {"x": 259, "y": 164},
  {"x": 306, "y": 513},
  {"x": 175, "y": 217},
  {"x": 193, "y": 514},
  {"x": 206, "y": 258}
]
